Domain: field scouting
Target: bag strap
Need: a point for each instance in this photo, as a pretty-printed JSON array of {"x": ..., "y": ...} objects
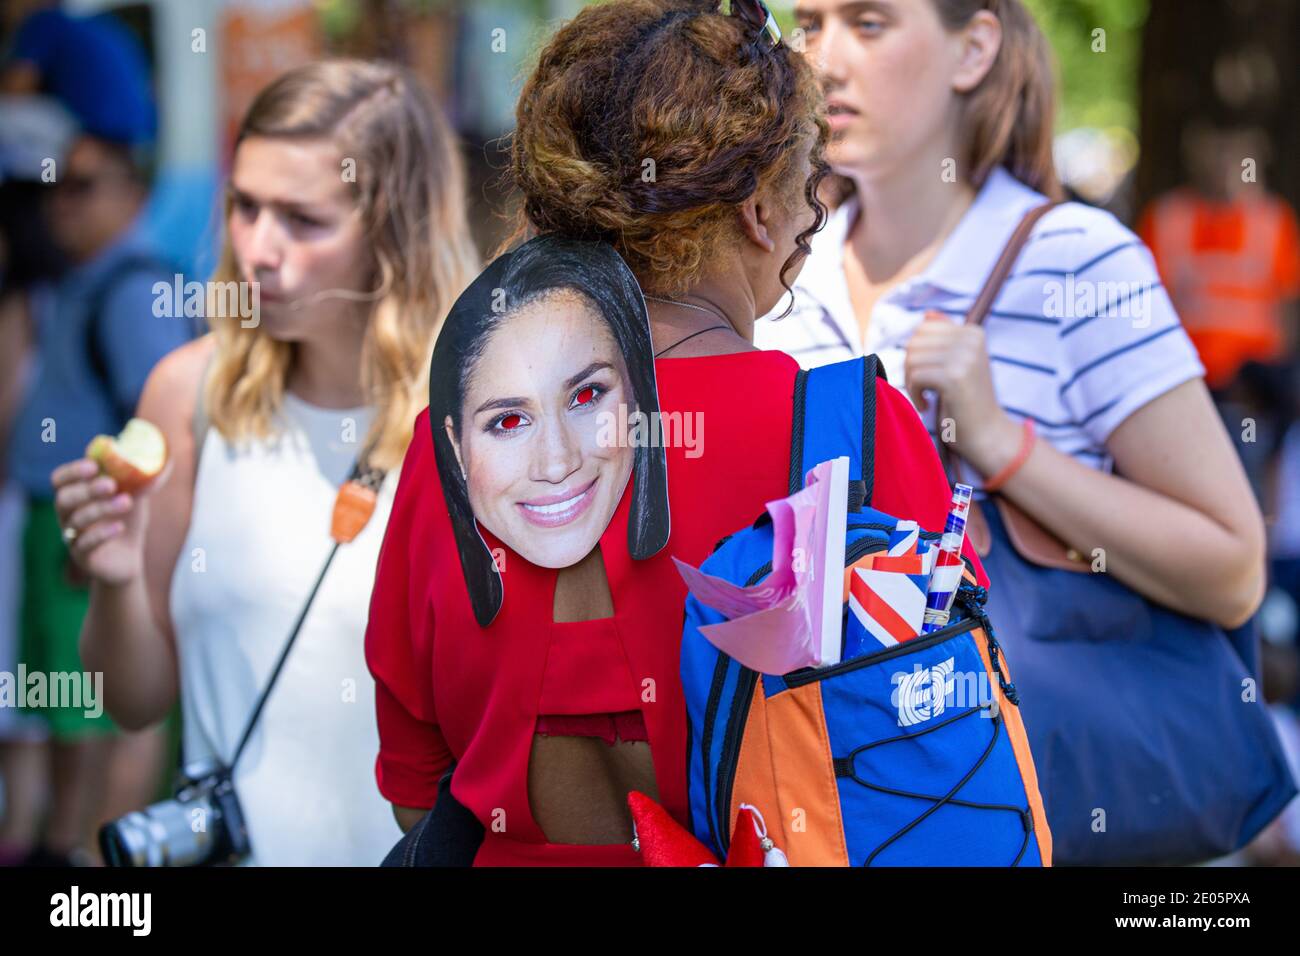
[
  {"x": 1002, "y": 268},
  {"x": 989, "y": 294},
  {"x": 128, "y": 268},
  {"x": 359, "y": 473},
  {"x": 834, "y": 415}
]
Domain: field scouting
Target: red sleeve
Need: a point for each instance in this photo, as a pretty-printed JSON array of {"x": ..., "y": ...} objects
[
  {"x": 909, "y": 479},
  {"x": 412, "y": 751}
]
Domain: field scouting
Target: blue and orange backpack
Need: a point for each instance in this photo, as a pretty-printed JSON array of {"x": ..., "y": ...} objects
[{"x": 911, "y": 755}]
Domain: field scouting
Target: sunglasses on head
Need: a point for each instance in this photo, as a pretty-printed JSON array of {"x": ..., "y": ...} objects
[{"x": 756, "y": 15}]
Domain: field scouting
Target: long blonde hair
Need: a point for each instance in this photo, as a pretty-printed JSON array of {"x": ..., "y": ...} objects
[{"x": 410, "y": 187}]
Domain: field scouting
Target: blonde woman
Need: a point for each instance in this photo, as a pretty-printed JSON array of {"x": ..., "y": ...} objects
[{"x": 346, "y": 207}]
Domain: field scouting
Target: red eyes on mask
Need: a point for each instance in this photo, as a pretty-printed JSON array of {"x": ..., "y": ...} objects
[{"x": 512, "y": 421}]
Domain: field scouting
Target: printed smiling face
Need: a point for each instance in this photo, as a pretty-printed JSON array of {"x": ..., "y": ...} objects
[{"x": 540, "y": 471}]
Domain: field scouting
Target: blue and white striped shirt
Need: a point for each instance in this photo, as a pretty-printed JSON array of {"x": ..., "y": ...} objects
[{"x": 1081, "y": 335}]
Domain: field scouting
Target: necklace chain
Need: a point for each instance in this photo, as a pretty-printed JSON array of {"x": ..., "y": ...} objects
[
  {"x": 717, "y": 313},
  {"x": 688, "y": 305}
]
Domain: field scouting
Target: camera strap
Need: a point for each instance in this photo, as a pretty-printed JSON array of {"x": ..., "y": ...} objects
[{"x": 353, "y": 506}]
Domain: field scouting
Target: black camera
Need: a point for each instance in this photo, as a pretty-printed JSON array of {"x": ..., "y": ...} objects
[{"x": 203, "y": 825}]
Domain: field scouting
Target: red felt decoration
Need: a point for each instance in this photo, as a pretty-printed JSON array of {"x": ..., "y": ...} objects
[
  {"x": 746, "y": 849},
  {"x": 665, "y": 842}
]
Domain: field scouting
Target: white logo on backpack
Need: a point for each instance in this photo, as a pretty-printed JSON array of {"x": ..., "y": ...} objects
[{"x": 923, "y": 693}]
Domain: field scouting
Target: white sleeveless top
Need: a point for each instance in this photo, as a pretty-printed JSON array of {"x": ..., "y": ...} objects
[{"x": 259, "y": 534}]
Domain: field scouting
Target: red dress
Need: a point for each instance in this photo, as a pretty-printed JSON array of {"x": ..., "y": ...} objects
[{"x": 448, "y": 689}]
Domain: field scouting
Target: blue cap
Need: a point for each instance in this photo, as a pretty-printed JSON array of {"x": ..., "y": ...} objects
[{"x": 96, "y": 68}]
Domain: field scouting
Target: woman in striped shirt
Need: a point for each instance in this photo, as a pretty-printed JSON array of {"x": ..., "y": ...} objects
[{"x": 1082, "y": 387}]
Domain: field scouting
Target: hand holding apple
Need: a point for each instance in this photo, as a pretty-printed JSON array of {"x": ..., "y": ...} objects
[
  {"x": 132, "y": 459},
  {"x": 101, "y": 498}
]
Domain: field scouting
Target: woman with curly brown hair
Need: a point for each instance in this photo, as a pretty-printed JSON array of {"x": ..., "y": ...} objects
[{"x": 692, "y": 142}]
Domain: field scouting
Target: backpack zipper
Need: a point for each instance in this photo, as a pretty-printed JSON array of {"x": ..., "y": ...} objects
[
  {"x": 812, "y": 675},
  {"x": 706, "y": 733}
]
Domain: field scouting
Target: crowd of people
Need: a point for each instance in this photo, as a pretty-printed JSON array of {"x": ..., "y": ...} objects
[{"x": 806, "y": 206}]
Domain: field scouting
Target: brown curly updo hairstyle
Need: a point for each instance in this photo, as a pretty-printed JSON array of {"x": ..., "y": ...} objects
[{"x": 646, "y": 122}]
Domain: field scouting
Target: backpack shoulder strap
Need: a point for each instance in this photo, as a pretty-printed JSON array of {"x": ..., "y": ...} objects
[
  {"x": 129, "y": 267},
  {"x": 834, "y": 415}
]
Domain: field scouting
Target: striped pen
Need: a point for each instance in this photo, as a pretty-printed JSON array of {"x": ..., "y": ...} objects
[{"x": 948, "y": 566}]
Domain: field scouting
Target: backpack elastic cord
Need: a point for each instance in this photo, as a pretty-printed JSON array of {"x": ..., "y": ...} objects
[{"x": 845, "y": 767}]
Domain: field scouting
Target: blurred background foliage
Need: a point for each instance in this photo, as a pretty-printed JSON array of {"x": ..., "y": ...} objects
[
  {"x": 1097, "y": 45},
  {"x": 1132, "y": 75},
  {"x": 1099, "y": 88}
]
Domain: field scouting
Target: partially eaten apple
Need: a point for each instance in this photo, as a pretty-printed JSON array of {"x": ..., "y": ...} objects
[{"x": 132, "y": 459}]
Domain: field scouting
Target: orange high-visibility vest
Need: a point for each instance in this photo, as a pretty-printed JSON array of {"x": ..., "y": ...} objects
[{"x": 1228, "y": 267}]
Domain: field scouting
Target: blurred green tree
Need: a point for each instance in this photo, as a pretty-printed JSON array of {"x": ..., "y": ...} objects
[{"x": 1098, "y": 46}]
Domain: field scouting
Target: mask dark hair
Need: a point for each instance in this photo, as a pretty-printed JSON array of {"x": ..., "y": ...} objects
[{"x": 541, "y": 266}]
